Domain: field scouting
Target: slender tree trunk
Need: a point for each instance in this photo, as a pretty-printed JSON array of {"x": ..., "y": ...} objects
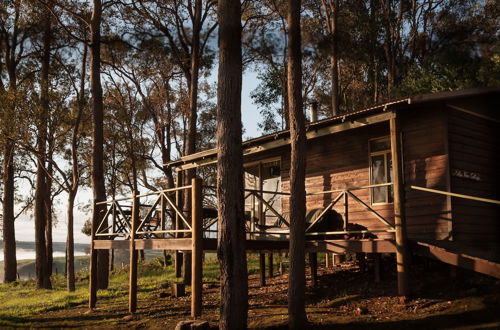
[
  {"x": 98, "y": 188},
  {"x": 70, "y": 246},
  {"x": 297, "y": 318},
  {"x": 334, "y": 60},
  {"x": 231, "y": 239},
  {"x": 48, "y": 213},
  {"x": 8, "y": 122},
  {"x": 373, "y": 70},
  {"x": 193, "y": 117},
  {"x": 41, "y": 265},
  {"x": 9, "y": 233},
  {"x": 75, "y": 178}
]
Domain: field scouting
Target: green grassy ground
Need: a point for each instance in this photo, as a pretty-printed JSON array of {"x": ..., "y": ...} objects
[{"x": 20, "y": 300}]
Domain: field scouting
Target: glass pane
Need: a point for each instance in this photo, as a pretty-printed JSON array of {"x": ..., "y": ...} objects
[
  {"x": 378, "y": 175},
  {"x": 380, "y": 145}
]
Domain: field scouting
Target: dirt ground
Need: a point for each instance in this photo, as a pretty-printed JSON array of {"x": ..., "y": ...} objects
[{"x": 344, "y": 298}]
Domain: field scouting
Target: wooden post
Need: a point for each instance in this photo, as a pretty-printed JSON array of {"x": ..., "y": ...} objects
[
  {"x": 327, "y": 260},
  {"x": 262, "y": 264},
  {"x": 313, "y": 262},
  {"x": 132, "y": 293},
  {"x": 270, "y": 261},
  {"x": 376, "y": 266},
  {"x": 399, "y": 210},
  {"x": 178, "y": 261},
  {"x": 197, "y": 248},
  {"x": 92, "y": 266},
  {"x": 262, "y": 221},
  {"x": 346, "y": 211}
]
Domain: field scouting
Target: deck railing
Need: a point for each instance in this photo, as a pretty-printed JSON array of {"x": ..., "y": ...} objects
[
  {"x": 160, "y": 215},
  {"x": 463, "y": 196},
  {"x": 159, "y": 207},
  {"x": 344, "y": 194}
]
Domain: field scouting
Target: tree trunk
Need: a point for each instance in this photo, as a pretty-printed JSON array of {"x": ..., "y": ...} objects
[
  {"x": 297, "y": 318},
  {"x": 75, "y": 176},
  {"x": 193, "y": 117},
  {"x": 231, "y": 239},
  {"x": 334, "y": 60},
  {"x": 48, "y": 214},
  {"x": 70, "y": 247},
  {"x": 98, "y": 188},
  {"x": 9, "y": 233},
  {"x": 41, "y": 265}
]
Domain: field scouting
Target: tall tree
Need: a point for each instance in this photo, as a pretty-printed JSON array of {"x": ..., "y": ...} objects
[
  {"x": 331, "y": 12},
  {"x": 297, "y": 318},
  {"x": 41, "y": 193},
  {"x": 231, "y": 230},
  {"x": 14, "y": 35},
  {"x": 98, "y": 188}
]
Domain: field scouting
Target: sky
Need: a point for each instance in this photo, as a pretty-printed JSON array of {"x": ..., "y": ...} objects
[{"x": 25, "y": 230}]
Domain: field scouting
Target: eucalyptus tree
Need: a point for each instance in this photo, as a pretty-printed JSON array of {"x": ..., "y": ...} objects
[
  {"x": 296, "y": 280},
  {"x": 185, "y": 29},
  {"x": 231, "y": 229},
  {"x": 16, "y": 28}
]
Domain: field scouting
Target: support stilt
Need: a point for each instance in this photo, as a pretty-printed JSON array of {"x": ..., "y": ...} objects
[
  {"x": 313, "y": 262},
  {"x": 197, "y": 249},
  {"x": 270, "y": 262},
  {"x": 399, "y": 210},
  {"x": 132, "y": 297},
  {"x": 262, "y": 264},
  {"x": 93, "y": 267},
  {"x": 376, "y": 266}
]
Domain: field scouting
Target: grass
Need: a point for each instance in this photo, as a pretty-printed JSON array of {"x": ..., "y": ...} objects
[{"x": 20, "y": 300}]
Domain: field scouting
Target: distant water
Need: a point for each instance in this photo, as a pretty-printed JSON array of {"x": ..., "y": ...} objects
[
  {"x": 26, "y": 250},
  {"x": 29, "y": 254}
]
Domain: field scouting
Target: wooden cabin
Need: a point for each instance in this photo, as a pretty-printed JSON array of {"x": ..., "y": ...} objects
[
  {"x": 448, "y": 144},
  {"x": 430, "y": 159}
]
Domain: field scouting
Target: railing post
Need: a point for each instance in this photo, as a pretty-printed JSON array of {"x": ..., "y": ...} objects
[
  {"x": 93, "y": 264},
  {"x": 399, "y": 210},
  {"x": 132, "y": 302},
  {"x": 178, "y": 261},
  {"x": 346, "y": 210},
  {"x": 197, "y": 248}
]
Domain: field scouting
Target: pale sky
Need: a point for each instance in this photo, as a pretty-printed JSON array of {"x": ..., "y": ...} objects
[{"x": 25, "y": 225}]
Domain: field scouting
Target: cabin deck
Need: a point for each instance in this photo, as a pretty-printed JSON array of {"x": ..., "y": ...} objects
[{"x": 255, "y": 245}]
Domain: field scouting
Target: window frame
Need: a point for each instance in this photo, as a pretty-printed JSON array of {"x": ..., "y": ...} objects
[{"x": 387, "y": 161}]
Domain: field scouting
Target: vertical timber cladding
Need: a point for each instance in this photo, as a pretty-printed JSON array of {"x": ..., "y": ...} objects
[
  {"x": 339, "y": 161},
  {"x": 474, "y": 163},
  {"x": 425, "y": 156}
]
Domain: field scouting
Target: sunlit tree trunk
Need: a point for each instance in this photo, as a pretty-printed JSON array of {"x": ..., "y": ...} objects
[
  {"x": 75, "y": 178},
  {"x": 297, "y": 318},
  {"x": 98, "y": 188},
  {"x": 231, "y": 239},
  {"x": 41, "y": 264}
]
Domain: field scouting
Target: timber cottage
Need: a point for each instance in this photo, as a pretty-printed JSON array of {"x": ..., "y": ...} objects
[{"x": 431, "y": 160}]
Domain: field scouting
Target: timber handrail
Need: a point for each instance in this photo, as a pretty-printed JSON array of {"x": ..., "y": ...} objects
[
  {"x": 347, "y": 192},
  {"x": 447, "y": 193},
  {"x": 143, "y": 195},
  {"x": 149, "y": 223},
  {"x": 350, "y": 189}
]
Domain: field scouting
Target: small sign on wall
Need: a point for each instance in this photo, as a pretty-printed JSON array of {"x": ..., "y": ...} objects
[{"x": 466, "y": 174}]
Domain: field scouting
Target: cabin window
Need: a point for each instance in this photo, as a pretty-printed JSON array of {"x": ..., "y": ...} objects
[
  {"x": 380, "y": 170},
  {"x": 264, "y": 178}
]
